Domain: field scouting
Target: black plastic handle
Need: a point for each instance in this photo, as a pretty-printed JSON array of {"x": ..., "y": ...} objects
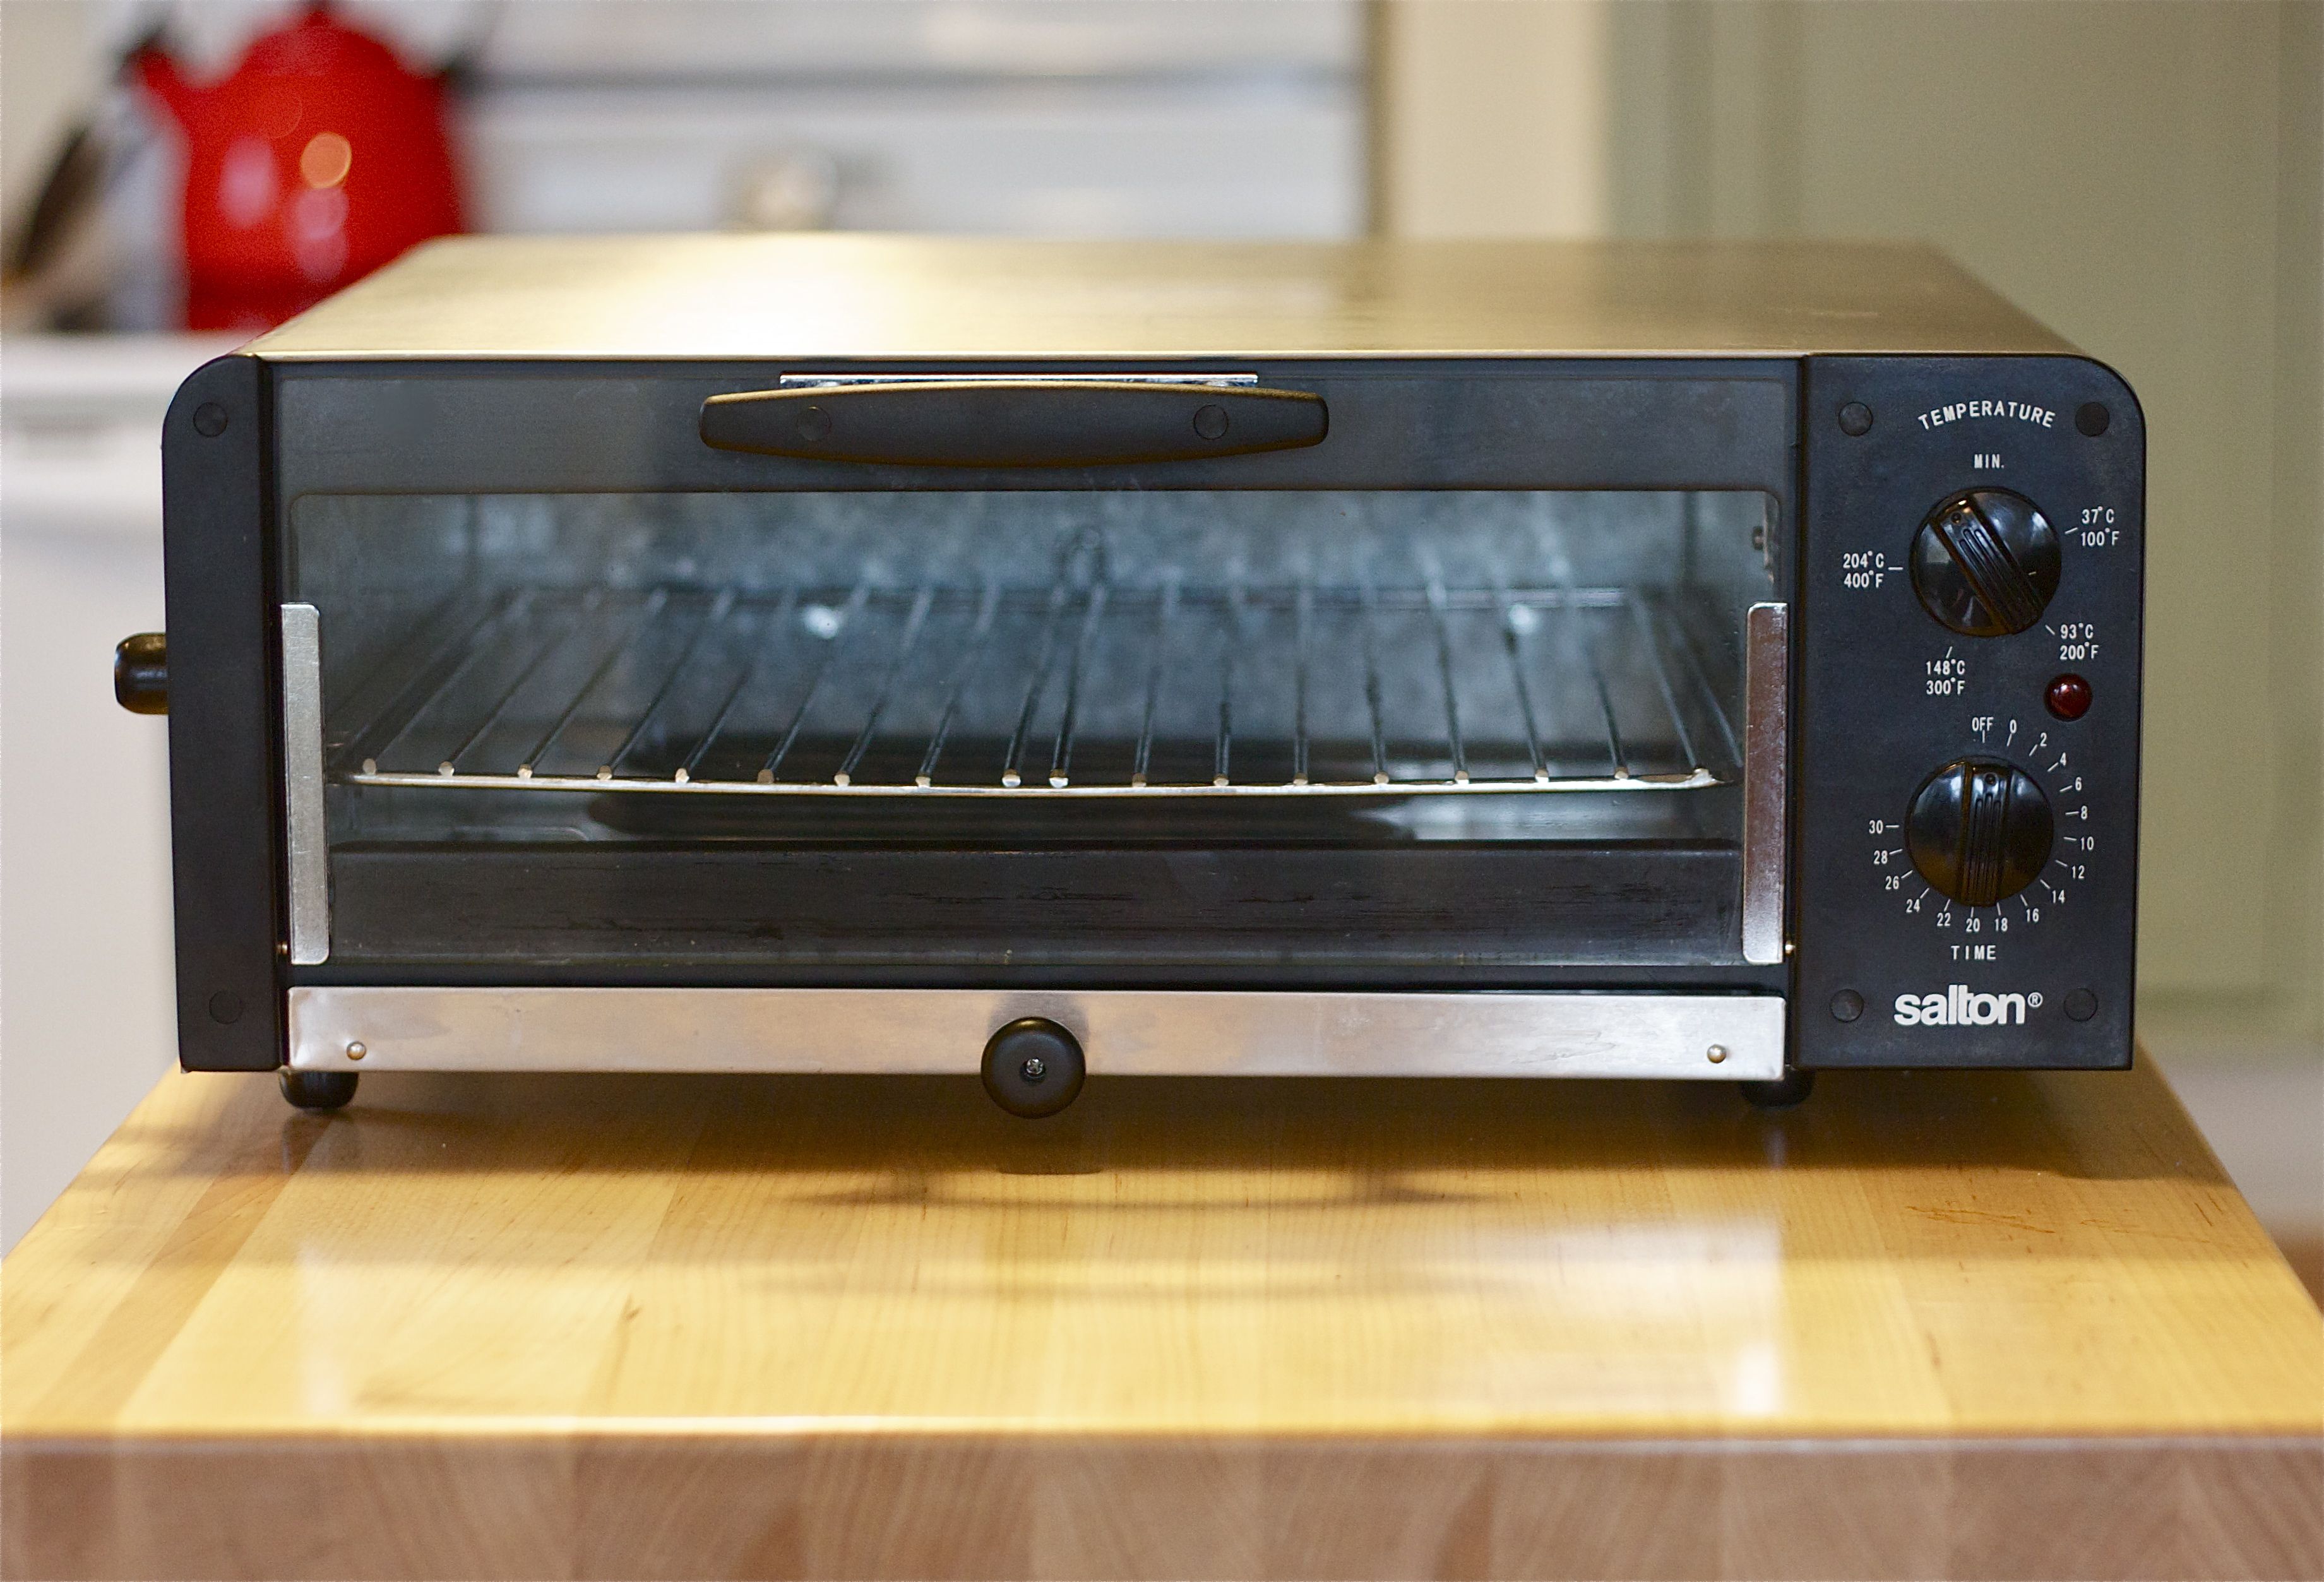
[{"x": 1014, "y": 422}]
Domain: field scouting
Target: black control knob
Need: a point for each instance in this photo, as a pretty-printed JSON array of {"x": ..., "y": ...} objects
[
  {"x": 1979, "y": 831},
  {"x": 1986, "y": 563}
]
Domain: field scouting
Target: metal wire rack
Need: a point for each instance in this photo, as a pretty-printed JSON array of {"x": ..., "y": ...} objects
[{"x": 1085, "y": 687}]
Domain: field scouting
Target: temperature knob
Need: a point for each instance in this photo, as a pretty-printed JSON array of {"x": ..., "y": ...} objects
[
  {"x": 1979, "y": 831},
  {"x": 1986, "y": 563}
]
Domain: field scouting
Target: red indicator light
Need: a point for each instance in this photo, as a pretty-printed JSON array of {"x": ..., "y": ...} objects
[{"x": 2069, "y": 697}]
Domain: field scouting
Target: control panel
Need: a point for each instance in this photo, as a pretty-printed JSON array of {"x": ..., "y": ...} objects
[{"x": 1966, "y": 751}]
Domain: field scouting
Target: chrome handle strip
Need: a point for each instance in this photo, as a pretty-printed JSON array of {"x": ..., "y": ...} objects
[
  {"x": 837, "y": 380},
  {"x": 1125, "y": 1032},
  {"x": 308, "y": 861},
  {"x": 1767, "y": 698}
]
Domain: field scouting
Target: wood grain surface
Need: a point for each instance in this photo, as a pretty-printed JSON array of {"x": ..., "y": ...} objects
[{"x": 1928, "y": 1324}]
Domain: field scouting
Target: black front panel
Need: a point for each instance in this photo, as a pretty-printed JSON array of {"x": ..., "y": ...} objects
[
  {"x": 225, "y": 794},
  {"x": 1966, "y": 818},
  {"x": 613, "y": 428}
]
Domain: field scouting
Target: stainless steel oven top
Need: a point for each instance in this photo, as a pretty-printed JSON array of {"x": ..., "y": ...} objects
[{"x": 818, "y": 299}]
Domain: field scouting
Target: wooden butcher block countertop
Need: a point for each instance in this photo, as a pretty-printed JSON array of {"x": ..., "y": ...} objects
[{"x": 1928, "y": 1324}]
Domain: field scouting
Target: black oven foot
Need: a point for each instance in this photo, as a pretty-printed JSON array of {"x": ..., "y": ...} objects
[
  {"x": 1791, "y": 1088},
  {"x": 318, "y": 1089},
  {"x": 1033, "y": 1067}
]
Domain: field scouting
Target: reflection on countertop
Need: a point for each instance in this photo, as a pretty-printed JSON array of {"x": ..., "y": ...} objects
[{"x": 1998, "y": 1253}]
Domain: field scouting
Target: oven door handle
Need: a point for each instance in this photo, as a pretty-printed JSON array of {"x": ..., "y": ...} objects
[
  {"x": 1767, "y": 748},
  {"x": 1014, "y": 422}
]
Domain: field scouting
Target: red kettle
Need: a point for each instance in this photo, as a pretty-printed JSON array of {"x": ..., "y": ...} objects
[{"x": 317, "y": 159}]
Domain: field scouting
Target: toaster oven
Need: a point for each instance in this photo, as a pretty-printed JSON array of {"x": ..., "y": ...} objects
[{"x": 846, "y": 654}]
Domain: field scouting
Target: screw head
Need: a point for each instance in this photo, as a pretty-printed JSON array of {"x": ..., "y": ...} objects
[
  {"x": 355, "y": 1051},
  {"x": 1847, "y": 1006},
  {"x": 1856, "y": 420},
  {"x": 1033, "y": 1070},
  {"x": 209, "y": 420},
  {"x": 1717, "y": 1054},
  {"x": 2092, "y": 419}
]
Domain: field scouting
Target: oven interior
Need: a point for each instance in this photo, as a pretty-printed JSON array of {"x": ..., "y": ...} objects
[{"x": 607, "y": 699}]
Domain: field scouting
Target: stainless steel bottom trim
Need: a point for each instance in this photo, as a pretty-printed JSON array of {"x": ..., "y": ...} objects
[{"x": 1122, "y": 1032}]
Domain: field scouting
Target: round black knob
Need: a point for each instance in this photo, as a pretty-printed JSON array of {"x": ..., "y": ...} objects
[
  {"x": 1033, "y": 1067},
  {"x": 141, "y": 673},
  {"x": 1986, "y": 563},
  {"x": 1979, "y": 831}
]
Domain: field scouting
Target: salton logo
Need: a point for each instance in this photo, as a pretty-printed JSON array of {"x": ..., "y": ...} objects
[{"x": 1958, "y": 1008}]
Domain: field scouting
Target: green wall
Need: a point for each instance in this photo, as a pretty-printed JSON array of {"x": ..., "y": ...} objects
[{"x": 2145, "y": 177}]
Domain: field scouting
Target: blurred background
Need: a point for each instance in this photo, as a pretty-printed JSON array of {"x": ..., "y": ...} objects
[{"x": 2147, "y": 177}]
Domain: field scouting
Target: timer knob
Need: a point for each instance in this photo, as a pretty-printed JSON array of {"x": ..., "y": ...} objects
[
  {"x": 1986, "y": 563},
  {"x": 1979, "y": 831}
]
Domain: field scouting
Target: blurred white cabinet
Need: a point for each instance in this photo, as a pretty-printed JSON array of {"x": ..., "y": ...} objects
[
  {"x": 1242, "y": 118},
  {"x": 1128, "y": 118},
  {"x": 85, "y": 1019},
  {"x": 1026, "y": 159}
]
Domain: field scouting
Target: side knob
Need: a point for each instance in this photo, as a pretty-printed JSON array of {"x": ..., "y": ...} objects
[
  {"x": 1986, "y": 563},
  {"x": 1979, "y": 831},
  {"x": 141, "y": 673}
]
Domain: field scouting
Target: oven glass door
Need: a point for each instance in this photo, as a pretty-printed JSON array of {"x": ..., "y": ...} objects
[{"x": 1236, "y": 737}]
